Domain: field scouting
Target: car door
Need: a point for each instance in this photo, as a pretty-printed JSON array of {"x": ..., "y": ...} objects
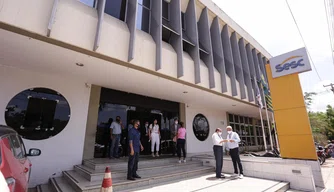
[
  {"x": 25, "y": 161},
  {"x": 18, "y": 165}
]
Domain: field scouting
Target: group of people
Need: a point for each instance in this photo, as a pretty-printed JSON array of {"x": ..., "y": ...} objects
[
  {"x": 135, "y": 141},
  {"x": 232, "y": 144}
]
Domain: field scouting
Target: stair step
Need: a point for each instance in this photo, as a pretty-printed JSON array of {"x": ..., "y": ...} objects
[
  {"x": 59, "y": 184},
  {"x": 101, "y": 164},
  {"x": 97, "y": 175},
  {"x": 79, "y": 183},
  {"x": 280, "y": 187}
]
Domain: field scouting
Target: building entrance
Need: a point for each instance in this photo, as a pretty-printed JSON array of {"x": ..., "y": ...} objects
[{"x": 131, "y": 107}]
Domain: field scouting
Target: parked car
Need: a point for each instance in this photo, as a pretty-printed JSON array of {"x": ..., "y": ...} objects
[{"x": 14, "y": 163}]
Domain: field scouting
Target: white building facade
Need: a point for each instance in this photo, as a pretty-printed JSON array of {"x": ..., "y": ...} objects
[{"x": 67, "y": 66}]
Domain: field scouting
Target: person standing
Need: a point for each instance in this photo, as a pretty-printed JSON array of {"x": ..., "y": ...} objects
[
  {"x": 232, "y": 145},
  {"x": 181, "y": 141},
  {"x": 218, "y": 140},
  {"x": 155, "y": 137},
  {"x": 115, "y": 135},
  {"x": 135, "y": 147},
  {"x": 173, "y": 130}
]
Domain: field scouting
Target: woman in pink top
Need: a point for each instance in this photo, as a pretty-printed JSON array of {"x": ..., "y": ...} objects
[{"x": 181, "y": 141}]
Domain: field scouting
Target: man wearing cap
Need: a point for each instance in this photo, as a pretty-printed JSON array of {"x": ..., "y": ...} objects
[
  {"x": 218, "y": 140},
  {"x": 232, "y": 144}
]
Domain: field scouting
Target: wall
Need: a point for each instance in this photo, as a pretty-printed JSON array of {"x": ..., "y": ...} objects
[
  {"x": 291, "y": 118},
  {"x": 215, "y": 119},
  {"x": 64, "y": 149}
]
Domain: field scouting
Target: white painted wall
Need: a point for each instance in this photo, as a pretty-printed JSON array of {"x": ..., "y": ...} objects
[
  {"x": 169, "y": 60},
  {"x": 215, "y": 119},
  {"x": 64, "y": 150},
  {"x": 30, "y": 15}
]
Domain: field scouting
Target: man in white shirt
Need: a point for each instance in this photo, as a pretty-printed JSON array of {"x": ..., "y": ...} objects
[
  {"x": 232, "y": 144},
  {"x": 115, "y": 135},
  {"x": 218, "y": 140}
]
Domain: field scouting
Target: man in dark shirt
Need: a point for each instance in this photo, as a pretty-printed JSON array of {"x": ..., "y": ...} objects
[{"x": 135, "y": 147}]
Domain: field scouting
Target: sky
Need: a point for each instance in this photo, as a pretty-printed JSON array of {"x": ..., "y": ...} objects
[{"x": 271, "y": 24}]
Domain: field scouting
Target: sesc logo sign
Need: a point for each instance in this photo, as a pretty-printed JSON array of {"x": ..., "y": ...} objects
[{"x": 289, "y": 63}]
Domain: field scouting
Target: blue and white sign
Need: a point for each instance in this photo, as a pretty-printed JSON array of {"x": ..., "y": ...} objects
[{"x": 289, "y": 63}]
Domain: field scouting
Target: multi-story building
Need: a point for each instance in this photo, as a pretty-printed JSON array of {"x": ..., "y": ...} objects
[{"x": 68, "y": 66}]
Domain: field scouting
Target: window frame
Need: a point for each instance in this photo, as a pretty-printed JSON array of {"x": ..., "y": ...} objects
[
  {"x": 168, "y": 11},
  {"x": 125, "y": 12},
  {"x": 183, "y": 20},
  {"x": 150, "y": 15}
]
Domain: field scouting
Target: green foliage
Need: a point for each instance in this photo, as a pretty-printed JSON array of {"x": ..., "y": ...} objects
[
  {"x": 308, "y": 98},
  {"x": 322, "y": 123}
]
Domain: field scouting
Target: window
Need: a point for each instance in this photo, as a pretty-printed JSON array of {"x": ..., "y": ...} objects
[
  {"x": 183, "y": 20},
  {"x": 143, "y": 15},
  {"x": 90, "y": 3},
  {"x": 166, "y": 34},
  {"x": 16, "y": 147},
  {"x": 245, "y": 128},
  {"x": 37, "y": 113},
  {"x": 116, "y": 8},
  {"x": 165, "y": 10}
]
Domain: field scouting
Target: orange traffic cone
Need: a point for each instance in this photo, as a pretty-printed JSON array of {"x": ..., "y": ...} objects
[{"x": 107, "y": 181}]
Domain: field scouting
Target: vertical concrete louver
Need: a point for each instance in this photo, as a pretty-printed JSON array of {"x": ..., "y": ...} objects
[
  {"x": 245, "y": 67},
  {"x": 192, "y": 34},
  {"x": 237, "y": 64},
  {"x": 264, "y": 61},
  {"x": 156, "y": 30},
  {"x": 218, "y": 52},
  {"x": 259, "y": 57},
  {"x": 131, "y": 13},
  {"x": 257, "y": 72},
  {"x": 176, "y": 40},
  {"x": 204, "y": 38},
  {"x": 52, "y": 17},
  {"x": 100, "y": 13},
  {"x": 251, "y": 67},
  {"x": 228, "y": 57}
]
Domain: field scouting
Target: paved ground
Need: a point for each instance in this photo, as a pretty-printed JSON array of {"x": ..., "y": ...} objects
[
  {"x": 327, "y": 170},
  {"x": 209, "y": 183}
]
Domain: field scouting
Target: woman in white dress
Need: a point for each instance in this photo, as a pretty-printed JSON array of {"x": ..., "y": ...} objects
[{"x": 155, "y": 137}]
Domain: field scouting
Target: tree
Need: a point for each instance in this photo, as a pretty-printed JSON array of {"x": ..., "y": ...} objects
[
  {"x": 330, "y": 121},
  {"x": 308, "y": 97}
]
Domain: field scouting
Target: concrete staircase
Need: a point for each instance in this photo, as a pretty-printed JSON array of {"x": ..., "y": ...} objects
[
  {"x": 88, "y": 176},
  {"x": 158, "y": 171}
]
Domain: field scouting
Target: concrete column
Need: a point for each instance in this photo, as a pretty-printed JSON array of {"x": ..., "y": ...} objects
[
  {"x": 218, "y": 52},
  {"x": 228, "y": 57},
  {"x": 131, "y": 15},
  {"x": 93, "y": 112},
  {"x": 183, "y": 113}
]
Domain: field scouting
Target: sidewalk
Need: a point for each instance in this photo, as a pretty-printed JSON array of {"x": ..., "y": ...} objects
[
  {"x": 327, "y": 170},
  {"x": 209, "y": 183}
]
